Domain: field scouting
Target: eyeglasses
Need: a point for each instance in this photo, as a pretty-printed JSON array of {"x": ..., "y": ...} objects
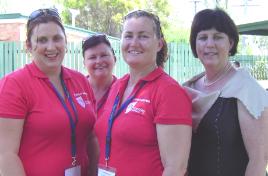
[{"x": 44, "y": 12}]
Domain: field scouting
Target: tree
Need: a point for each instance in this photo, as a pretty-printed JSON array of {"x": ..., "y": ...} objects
[{"x": 106, "y": 15}]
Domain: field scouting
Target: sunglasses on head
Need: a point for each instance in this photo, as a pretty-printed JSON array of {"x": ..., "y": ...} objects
[{"x": 44, "y": 12}]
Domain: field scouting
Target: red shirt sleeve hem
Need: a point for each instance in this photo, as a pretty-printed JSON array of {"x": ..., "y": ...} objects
[
  {"x": 166, "y": 121},
  {"x": 12, "y": 116}
]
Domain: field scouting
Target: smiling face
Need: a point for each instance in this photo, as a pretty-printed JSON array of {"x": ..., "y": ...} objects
[
  {"x": 212, "y": 48},
  {"x": 99, "y": 61},
  {"x": 47, "y": 46},
  {"x": 139, "y": 43}
]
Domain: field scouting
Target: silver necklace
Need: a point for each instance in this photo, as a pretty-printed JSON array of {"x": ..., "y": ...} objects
[{"x": 220, "y": 77}]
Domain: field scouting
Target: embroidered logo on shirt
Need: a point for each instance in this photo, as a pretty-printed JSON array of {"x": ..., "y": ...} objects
[
  {"x": 82, "y": 99},
  {"x": 81, "y": 102},
  {"x": 131, "y": 107}
]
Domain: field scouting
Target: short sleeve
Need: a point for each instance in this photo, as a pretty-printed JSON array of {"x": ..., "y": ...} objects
[
  {"x": 173, "y": 106},
  {"x": 12, "y": 101}
]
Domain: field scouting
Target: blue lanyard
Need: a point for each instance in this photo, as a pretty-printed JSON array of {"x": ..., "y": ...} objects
[
  {"x": 114, "y": 114},
  {"x": 72, "y": 122}
]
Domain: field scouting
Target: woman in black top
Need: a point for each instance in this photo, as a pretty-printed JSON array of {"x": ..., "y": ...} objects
[{"x": 230, "y": 122}]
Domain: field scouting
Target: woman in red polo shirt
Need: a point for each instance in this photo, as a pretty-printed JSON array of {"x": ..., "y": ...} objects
[
  {"x": 46, "y": 110},
  {"x": 99, "y": 60},
  {"x": 145, "y": 128}
]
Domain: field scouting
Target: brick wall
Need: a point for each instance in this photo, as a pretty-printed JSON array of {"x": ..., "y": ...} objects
[
  {"x": 73, "y": 37},
  {"x": 11, "y": 31}
]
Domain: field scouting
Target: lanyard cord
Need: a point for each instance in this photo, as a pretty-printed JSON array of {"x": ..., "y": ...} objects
[
  {"x": 71, "y": 120},
  {"x": 105, "y": 96},
  {"x": 103, "y": 100},
  {"x": 114, "y": 114}
]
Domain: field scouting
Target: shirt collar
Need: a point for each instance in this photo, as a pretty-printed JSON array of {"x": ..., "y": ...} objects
[
  {"x": 154, "y": 74},
  {"x": 35, "y": 71},
  {"x": 150, "y": 77}
]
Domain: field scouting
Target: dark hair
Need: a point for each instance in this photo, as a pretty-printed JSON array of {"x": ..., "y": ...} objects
[
  {"x": 95, "y": 40},
  {"x": 236, "y": 63},
  {"x": 42, "y": 16},
  {"x": 162, "y": 54},
  {"x": 214, "y": 18}
]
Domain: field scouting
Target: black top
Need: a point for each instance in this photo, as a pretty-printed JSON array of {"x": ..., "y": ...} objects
[{"x": 217, "y": 145}]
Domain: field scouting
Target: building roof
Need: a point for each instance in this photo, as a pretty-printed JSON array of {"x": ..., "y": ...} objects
[
  {"x": 13, "y": 16},
  {"x": 255, "y": 28},
  {"x": 75, "y": 30}
]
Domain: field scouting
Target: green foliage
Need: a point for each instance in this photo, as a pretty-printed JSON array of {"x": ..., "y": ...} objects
[
  {"x": 106, "y": 15},
  {"x": 262, "y": 44},
  {"x": 97, "y": 15},
  {"x": 177, "y": 34},
  {"x": 260, "y": 70}
]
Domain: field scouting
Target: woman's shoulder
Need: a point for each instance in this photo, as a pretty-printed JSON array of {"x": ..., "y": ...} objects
[
  {"x": 169, "y": 85},
  {"x": 193, "y": 80},
  {"x": 75, "y": 76},
  {"x": 245, "y": 88},
  {"x": 20, "y": 75},
  {"x": 242, "y": 81},
  {"x": 72, "y": 73},
  {"x": 166, "y": 80}
]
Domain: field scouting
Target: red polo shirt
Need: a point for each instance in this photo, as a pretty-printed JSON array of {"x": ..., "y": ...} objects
[
  {"x": 134, "y": 146},
  {"x": 45, "y": 147}
]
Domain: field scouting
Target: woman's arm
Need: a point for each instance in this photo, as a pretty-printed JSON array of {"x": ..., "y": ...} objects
[
  {"x": 255, "y": 137},
  {"x": 10, "y": 136},
  {"x": 174, "y": 143},
  {"x": 93, "y": 152}
]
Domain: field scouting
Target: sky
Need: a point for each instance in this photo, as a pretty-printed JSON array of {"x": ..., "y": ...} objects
[
  {"x": 182, "y": 10},
  {"x": 256, "y": 10}
]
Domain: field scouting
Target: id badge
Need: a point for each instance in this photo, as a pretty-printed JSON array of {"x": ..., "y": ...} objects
[
  {"x": 106, "y": 171},
  {"x": 73, "y": 171}
]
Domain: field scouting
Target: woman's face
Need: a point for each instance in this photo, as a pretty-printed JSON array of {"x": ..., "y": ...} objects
[
  {"x": 47, "y": 46},
  {"x": 99, "y": 61},
  {"x": 139, "y": 43},
  {"x": 213, "y": 47}
]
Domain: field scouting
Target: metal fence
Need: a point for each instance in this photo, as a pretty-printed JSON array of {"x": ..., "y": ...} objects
[
  {"x": 181, "y": 64},
  {"x": 13, "y": 55}
]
